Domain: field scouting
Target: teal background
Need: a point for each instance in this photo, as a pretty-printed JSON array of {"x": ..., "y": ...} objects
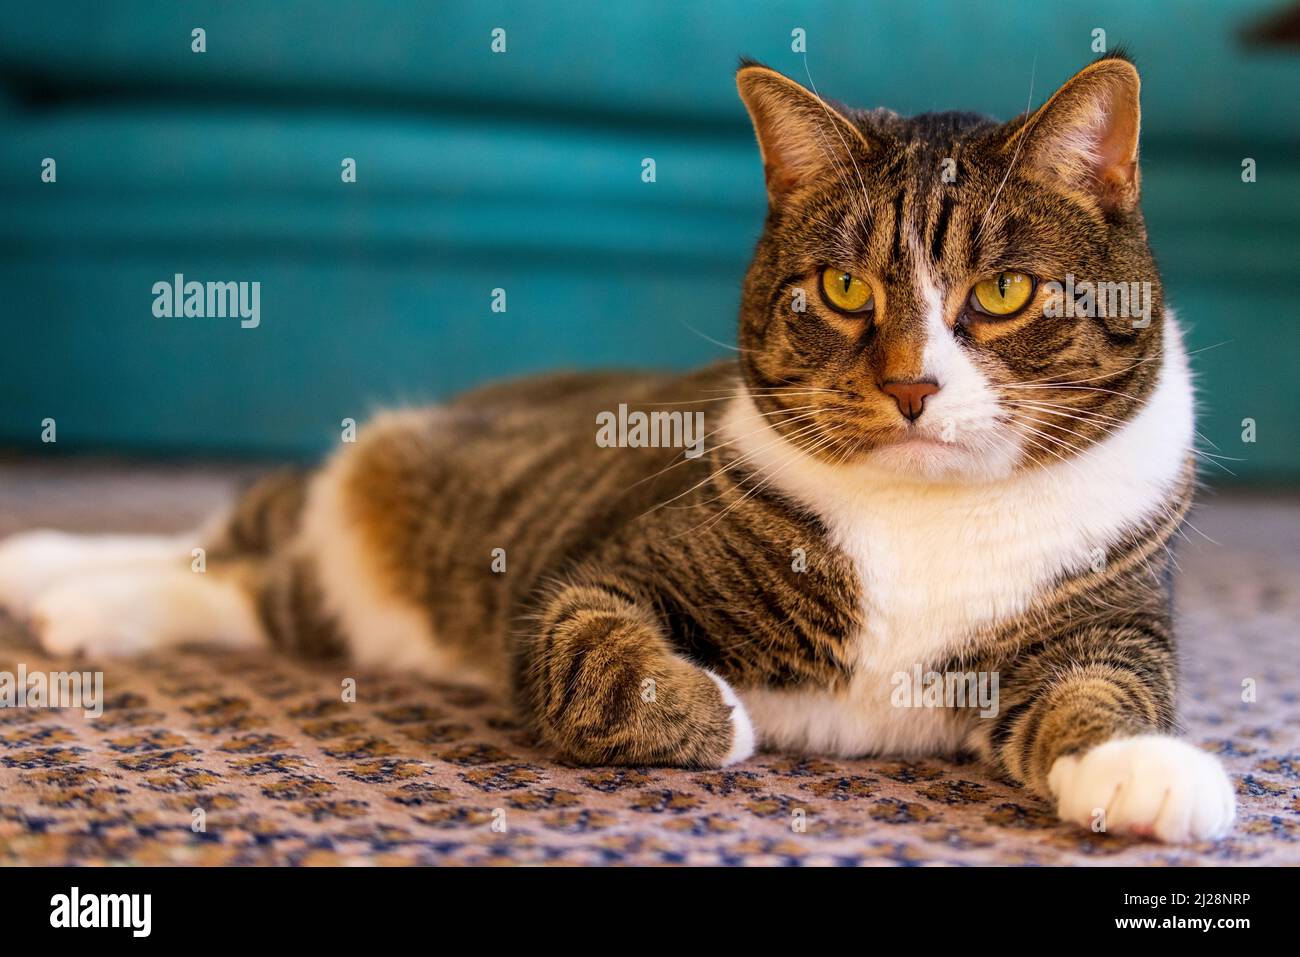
[{"x": 522, "y": 170}]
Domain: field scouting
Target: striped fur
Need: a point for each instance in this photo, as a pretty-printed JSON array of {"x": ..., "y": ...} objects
[{"x": 643, "y": 606}]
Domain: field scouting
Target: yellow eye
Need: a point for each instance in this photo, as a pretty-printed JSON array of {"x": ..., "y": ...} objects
[
  {"x": 845, "y": 291},
  {"x": 1003, "y": 294}
]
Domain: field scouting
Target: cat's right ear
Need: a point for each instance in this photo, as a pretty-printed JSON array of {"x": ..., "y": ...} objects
[{"x": 800, "y": 135}]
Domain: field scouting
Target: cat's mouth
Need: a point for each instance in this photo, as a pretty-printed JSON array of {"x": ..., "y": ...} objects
[
  {"x": 914, "y": 440},
  {"x": 922, "y": 454},
  {"x": 950, "y": 448}
]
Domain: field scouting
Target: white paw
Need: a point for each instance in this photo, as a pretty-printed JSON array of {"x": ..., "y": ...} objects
[
  {"x": 29, "y": 563},
  {"x": 100, "y": 615},
  {"x": 33, "y": 562},
  {"x": 742, "y": 741},
  {"x": 1149, "y": 785}
]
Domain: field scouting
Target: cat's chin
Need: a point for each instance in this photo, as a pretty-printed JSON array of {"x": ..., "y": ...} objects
[{"x": 938, "y": 461}]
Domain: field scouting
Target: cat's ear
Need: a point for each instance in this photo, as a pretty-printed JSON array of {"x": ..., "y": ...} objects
[
  {"x": 1086, "y": 135},
  {"x": 800, "y": 135}
]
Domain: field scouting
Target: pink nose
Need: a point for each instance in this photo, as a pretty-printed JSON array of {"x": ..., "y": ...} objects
[{"x": 910, "y": 396}]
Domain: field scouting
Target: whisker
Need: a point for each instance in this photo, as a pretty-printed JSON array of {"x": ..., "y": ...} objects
[
  {"x": 714, "y": 474},
  {"x": 708, "y": 338},
  {"x": 1080, "y": 388},
  {"x": 722, "y": 445},
  {"x": 768, "y": 480},
  {"x": 1024, "y": 135},
  {"x": 866, "y": 198}
]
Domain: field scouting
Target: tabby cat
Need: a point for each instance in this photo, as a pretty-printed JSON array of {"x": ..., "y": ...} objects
[{"x": 933, "y": 456}]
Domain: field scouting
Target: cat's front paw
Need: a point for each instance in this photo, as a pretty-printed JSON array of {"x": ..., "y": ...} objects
[
  {"x": 743, "y": 738},
  {"x": 1150, "y": 785}
]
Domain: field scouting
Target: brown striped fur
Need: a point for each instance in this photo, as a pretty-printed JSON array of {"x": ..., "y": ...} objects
[{"x": 631, "y": 571}]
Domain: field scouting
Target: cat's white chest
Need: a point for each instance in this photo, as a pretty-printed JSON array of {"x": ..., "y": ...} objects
[
  {"x": 934, "y": 570},
  {"x": 939, "y": 562}
]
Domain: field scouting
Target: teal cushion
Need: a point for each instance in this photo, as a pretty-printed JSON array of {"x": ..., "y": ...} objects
[{"x": 523, "y": 171}]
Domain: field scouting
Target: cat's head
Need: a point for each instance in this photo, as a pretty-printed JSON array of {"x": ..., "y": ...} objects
[{"x": 939, "y": 295}]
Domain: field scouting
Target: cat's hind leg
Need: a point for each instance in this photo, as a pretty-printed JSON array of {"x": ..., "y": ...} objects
[
  {"x": 135, "y": 609},
  {"x": 126, "y": 594},
  {"x": 33, "y": 562},
  {"x": 602, "y": 684}
]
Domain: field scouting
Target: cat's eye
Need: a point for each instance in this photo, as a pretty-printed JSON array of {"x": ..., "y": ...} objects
[
  {"x": 845, "y": 291},
  {"x": 1002, "y": 295}
]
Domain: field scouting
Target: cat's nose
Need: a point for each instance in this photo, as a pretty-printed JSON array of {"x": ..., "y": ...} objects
[{"x": 910, "y": 396}]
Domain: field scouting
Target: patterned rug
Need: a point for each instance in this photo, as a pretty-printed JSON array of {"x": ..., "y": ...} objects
[{"x": 250, "y": 759}]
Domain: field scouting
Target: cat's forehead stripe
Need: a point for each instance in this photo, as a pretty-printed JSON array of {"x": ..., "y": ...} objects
[
  {"x": 941, "y": 228},
  {"x": 899, "y": 202}
]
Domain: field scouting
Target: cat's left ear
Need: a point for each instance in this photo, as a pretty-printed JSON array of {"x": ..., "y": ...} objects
[
  {"x": 800, "y": 135},
  {"x": 1086, "y": 135}
]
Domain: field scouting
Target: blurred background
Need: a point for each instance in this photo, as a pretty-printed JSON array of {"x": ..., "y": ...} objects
[{"x": 522, "y": 170}]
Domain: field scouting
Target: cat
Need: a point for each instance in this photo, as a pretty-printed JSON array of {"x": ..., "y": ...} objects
[{"x": 921, "y": 460}]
